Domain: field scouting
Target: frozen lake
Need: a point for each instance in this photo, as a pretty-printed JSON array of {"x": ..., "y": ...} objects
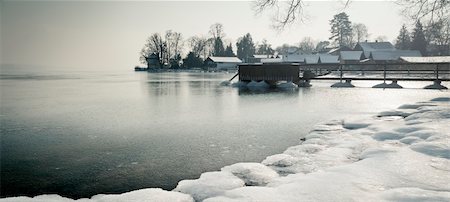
[{"x": 80, "y": 133}]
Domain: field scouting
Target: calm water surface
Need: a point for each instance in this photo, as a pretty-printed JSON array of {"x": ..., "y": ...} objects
[{"x": 81, "y": 133}]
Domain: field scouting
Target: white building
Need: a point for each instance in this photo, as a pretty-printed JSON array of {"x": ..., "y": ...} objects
[{"x": 223, "y": 63}]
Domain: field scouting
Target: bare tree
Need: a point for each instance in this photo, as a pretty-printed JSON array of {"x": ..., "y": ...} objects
[
  {"x": 198, "y": 45},
  {"x": 216, "y": 31},
  {"x": 307, "y": 45},
  {"x": 359, "y": 32},
  {"x": 286, "y": 12},
  {"x": 154, "y": 44},
  {"x": 426, "y": 10},
  {"x": 174, "y": 42},
  {"x": 438, "y": 35}
]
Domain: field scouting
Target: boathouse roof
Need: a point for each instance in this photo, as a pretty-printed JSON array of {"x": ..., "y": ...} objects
[
  {"x": 350, "y": 55},
  {"x": 225, "y": 59},
  {"x": 374, "y": 46},
  {"x": 393, "y": 55},
  {"x": 328, "y": 59},
  {"x": 434, "y": 59}
]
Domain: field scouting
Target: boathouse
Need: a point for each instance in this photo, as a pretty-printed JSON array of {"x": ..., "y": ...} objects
[
  {"x": 222, "y": 63},
  {"x": 269, "y": 72}
]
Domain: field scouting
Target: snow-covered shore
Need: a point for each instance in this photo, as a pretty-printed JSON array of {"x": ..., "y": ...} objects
[{"x": 398, "y": 155}]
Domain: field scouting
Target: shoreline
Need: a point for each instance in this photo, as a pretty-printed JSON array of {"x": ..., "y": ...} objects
[{"x": 396, "y": 155}]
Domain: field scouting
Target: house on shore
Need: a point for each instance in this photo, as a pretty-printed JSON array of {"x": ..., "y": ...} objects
[
  {"x": 368, "y": 47},
  {"x": 222, "y": 63}
]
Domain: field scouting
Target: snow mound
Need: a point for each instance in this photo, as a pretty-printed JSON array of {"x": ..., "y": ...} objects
[
  {"x": 40, "y": 198},
  {"x": 151, "y": 194},
  {"x": 253, "y": 174},
  {"x": 414, "y": 106},
  {"x": 415, "y": 194},
  {"x": 279, "y": 160},
  {"x": 436, "y": 149},
  {"x": 401, "y": 113},
  {"x": 209, "y": 184},
  {"x": 355, "y": 125}
]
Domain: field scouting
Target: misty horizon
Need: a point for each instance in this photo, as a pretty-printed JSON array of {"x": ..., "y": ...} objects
[{"x": 111, "y": 34}]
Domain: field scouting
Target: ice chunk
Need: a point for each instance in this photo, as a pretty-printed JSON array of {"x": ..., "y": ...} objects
[
  {"x": 209, "y": 184},
  {"x": 253, "y": 174},
  {"x": 287, "y": 85},
  {"x": 279, "y": 160}
]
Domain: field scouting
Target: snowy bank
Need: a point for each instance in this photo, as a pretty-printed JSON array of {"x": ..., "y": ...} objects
[{"x": 397, "y": 155}]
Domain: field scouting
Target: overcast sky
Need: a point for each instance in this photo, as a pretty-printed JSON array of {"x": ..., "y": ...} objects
[{"x": 110, "y": 34}]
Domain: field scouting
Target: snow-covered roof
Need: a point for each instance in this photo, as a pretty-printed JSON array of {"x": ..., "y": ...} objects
[
  {"x": 311, "y": 59},
  {"x": 436, "y": 59},
  {"x": 225, "y": 59},
  {"x": 271, "y": 60},
  {"x": 374, "y": 46},
  {"x": 262, "y": 56},
  {"x": 299, "y": 57},
  {"x": 393, "y": 55},
  {"x": 328, "y": 59},
  {"x": 350, "y": 55}
]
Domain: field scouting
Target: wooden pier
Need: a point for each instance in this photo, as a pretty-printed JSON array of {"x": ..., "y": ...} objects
[{"x": 301, "y": 73}]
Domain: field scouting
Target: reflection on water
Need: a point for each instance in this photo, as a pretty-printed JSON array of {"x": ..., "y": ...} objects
[{"x": 83, "y": 133}]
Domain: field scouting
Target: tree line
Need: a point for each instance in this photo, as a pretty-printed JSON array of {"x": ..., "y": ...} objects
[
  {"x": 431, "y": 39},
  {"x": 168, "y": 48}
]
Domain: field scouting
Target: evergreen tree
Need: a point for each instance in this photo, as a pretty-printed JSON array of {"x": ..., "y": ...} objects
[
  {"x": 192, "y": 60},
  {"x": 219, "y": 50},
  {"x": 341, "y": 29},
  {"x": 245, "y": 47},
  {"x": 418, "y": 39},
  {"x": 229, "y": 51},
  {"x": 403, "y": 40}
]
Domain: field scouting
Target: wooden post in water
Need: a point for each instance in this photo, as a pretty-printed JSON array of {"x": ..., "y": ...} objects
[
  {"x": 384, "y": 73},
  {"x": 437, "y": 71}
]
